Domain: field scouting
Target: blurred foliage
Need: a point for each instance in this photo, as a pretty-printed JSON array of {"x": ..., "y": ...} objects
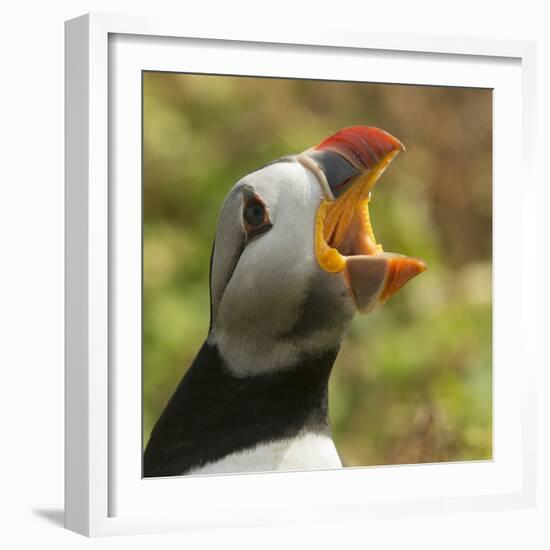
[{"x": 413, "y": 381}]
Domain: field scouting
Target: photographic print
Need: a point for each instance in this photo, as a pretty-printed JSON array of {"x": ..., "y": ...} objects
[{"x": 317, "y": 274}]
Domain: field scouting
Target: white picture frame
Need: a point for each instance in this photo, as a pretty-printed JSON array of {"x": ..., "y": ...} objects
[{"x": 104, "y": 495}]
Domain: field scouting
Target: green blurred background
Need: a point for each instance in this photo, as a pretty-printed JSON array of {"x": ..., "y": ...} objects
[{"x": 413, "y": 381}]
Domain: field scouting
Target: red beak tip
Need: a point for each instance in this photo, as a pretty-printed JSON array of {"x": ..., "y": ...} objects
[{"x": 362, "y": 146}]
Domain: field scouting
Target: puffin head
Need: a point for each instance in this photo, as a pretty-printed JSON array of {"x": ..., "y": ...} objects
[{"x": 295, "y": 255}]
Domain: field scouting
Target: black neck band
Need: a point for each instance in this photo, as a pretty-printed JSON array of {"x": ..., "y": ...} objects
[{"x": 214, "y": 413}]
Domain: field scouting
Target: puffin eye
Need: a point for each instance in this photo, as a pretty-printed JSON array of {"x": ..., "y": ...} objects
[
  {"x": 254, "y": 213},
  {"x": 255, "y": 216}
]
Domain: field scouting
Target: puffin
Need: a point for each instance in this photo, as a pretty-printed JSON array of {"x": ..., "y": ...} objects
[{"x": 294, "y": 258}]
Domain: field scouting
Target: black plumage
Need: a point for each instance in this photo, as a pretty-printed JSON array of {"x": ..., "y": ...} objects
[{"x": 214, "y": 413}]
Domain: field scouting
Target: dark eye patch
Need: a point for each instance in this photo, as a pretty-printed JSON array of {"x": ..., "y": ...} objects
[{"x": 255, "y": 217}]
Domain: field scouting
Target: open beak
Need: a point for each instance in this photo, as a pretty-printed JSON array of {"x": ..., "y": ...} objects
[{"x": 348, "y": 164}]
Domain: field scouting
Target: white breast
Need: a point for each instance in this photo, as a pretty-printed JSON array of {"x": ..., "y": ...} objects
[{"x": 306, "y": 452}]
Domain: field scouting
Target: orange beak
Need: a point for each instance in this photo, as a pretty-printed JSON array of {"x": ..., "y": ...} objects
[{"x": 348, "y": 164}]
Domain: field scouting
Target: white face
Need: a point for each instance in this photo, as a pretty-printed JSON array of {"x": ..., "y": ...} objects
[{"x": 271, "y": 302}]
